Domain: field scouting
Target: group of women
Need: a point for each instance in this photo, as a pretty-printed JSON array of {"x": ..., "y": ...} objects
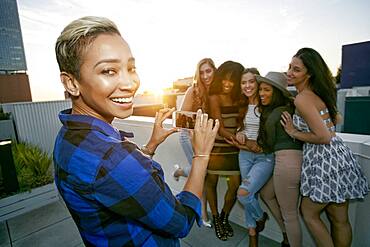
[{"x": 280, "y": 147}]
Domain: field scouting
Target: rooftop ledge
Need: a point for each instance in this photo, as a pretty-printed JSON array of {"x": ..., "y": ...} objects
[{"x": 170, "y": 153}]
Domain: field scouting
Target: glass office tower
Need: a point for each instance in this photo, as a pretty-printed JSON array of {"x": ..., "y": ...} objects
[{"x": 12, "y": 57}]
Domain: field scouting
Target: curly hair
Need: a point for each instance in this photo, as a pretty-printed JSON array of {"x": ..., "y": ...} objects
[
  {"x": 231, "y": 71},
  {"x": 278, "y": 99}
]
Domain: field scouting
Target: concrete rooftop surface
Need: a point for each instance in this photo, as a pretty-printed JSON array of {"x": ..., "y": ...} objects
[{"x": 52, "y": 225}]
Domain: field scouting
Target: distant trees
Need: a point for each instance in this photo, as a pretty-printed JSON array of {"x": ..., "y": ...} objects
[{"x": 339, "y": 73}]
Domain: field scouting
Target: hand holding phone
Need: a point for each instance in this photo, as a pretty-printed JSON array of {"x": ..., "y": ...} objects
[{"x": 184, "y": 119}]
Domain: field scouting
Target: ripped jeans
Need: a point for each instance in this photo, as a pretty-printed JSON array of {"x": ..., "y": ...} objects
[{"x": 255, "y": 171}]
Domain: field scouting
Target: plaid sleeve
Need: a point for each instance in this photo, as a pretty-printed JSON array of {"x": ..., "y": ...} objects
[{"x": 132, "y": 185}]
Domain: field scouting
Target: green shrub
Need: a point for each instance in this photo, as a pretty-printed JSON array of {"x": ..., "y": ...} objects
[
  {"x": 33, "y": 166},
  {"x": 4, "y": 115}
]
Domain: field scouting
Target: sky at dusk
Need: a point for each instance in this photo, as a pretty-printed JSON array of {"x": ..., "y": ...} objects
[{"x": 168, "y": 37}]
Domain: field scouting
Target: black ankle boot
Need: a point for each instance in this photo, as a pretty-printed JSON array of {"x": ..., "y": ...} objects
[
  {"x": 285, "y": 242},
  {"x": 225, "y": 222},
  {"x": 261, "y": 223},
  {"x": 219, "y": 229}
]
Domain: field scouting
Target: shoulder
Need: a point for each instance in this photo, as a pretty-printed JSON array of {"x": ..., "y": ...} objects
[
  {"x": 188, "y": 100},
  {"x": 280, "y": 109},
  {"x": 304, "y": 99},
  {"x": 275, "y": 115},
  {"x": 299, "y": 98},
  {"x": 189, "y": 91},
  {"x": 84, "y": 158},
  {"x": 308, "y": 100}
]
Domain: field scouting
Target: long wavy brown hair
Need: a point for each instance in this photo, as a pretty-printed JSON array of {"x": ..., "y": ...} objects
[
  {"x": 200, "y": 94},
  {"x": 244, "y": 102}
]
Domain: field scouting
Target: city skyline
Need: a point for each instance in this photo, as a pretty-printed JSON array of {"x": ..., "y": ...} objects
[{"x": 168, "y": 38}]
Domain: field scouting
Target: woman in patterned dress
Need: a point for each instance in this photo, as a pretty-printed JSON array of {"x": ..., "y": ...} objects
[
  {"x": 224, "y": 97},
  {"x": 330, "y": 175}
]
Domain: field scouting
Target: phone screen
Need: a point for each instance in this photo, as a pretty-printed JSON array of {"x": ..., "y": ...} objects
[{"x": 184, "y": 119}]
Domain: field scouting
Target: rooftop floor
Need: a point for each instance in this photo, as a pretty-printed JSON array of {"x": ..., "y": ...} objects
[{"x": 52, "y": 225}]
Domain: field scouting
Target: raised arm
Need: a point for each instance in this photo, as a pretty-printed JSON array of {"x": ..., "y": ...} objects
[
  {"x": 135, "y": 187},
  {"x": 159, "y": 134}
]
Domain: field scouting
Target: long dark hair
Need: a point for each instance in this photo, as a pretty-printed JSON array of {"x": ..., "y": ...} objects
[
  {"x": 229, "y": 70},
  {"x": 244, "y": 101},
  {"x": 321, "y": 80},
  {"x": 278, "y": 99}
]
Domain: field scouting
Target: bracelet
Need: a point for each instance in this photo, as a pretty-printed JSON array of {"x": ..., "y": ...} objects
[
  {"x": 201, "y": 155},
  {"x": 146, "y": 151}
]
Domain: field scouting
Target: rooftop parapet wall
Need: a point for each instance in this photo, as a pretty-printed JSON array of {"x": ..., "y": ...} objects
[
  {"x": 170, "y": 152},
  {"x": 38, "y": 123}
]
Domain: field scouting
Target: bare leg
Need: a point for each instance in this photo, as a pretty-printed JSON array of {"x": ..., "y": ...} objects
[
  {"x": 253, "y": 237},
  {"x": 233, "y": 183},
  {"x": 311, "y": 214},
  {"x": 229, "y": 201},
  {"x": 341, "y": 230},
  {"x": 211, "y": 182}
]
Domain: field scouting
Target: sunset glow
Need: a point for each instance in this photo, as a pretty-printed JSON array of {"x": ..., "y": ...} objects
[{"x": 169, "y": 37}]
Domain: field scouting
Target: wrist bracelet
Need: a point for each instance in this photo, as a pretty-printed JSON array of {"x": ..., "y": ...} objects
[{"x": 201, "y": 155}]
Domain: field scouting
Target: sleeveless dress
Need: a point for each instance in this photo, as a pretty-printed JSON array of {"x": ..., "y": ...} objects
[
  {"x": 330, "y": 172},
  {"x": 224, "y": 157}
]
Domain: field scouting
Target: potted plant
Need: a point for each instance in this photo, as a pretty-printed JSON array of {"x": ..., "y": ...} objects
[
  {"x": 36, "y": 187},
  {"x": 33, "y": 166}
]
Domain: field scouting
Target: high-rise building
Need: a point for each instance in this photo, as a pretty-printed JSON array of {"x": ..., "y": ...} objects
[
  {"x": 12, "y": 56},
  {"x": 14, "y": 82}
]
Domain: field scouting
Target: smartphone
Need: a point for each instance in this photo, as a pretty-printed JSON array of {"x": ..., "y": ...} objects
[{"x": 184, "y": 119}]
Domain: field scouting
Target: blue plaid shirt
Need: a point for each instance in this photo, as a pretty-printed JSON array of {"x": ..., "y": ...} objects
[{"x": 117, "y": 195}]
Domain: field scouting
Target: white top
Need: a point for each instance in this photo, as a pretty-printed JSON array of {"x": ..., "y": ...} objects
[{"x": 251, "y": 122}]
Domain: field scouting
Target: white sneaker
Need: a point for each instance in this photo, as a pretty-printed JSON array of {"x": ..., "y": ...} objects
[
  {"x": 174, "y": 174},
  {"x": 207, "y": 223}
]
